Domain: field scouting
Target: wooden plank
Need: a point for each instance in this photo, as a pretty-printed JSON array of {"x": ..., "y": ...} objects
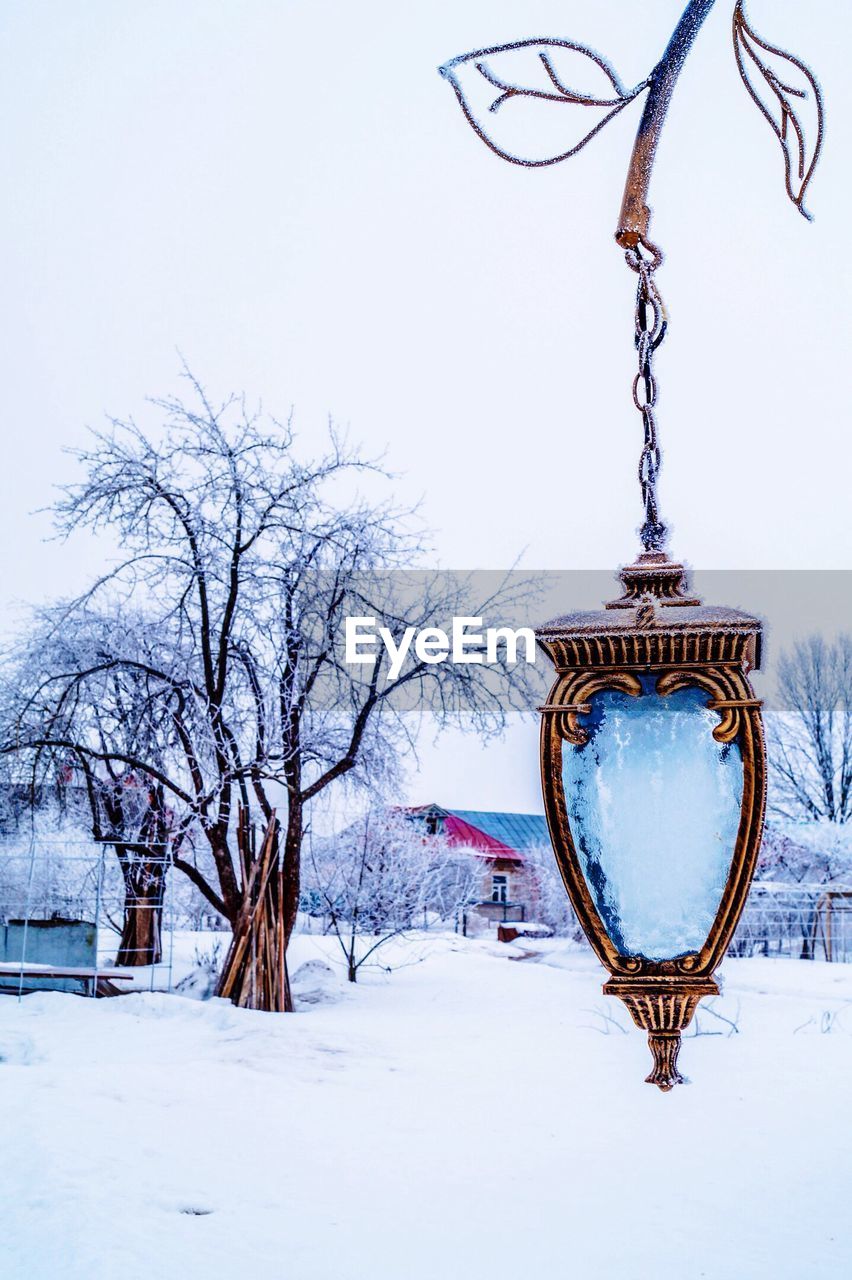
[{"x": 11, "y": 969}]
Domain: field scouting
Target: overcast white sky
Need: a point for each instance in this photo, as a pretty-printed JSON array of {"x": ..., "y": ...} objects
[{"x": 289, "y": 194}]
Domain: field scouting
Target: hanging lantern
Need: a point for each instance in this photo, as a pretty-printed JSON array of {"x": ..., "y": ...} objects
[
  {"x": 652, "y": 754},
  {"x": 653, "y": 772}
]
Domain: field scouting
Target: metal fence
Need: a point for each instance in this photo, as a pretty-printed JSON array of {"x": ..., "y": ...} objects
[
  {"x": 799, "y": 921},
  {"x": 63, "y": 908}
]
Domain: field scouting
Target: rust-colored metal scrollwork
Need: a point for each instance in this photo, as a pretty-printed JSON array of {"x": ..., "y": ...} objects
[
  {"x": 723, "y": 688},
  {"x": 570, "y": 696}
]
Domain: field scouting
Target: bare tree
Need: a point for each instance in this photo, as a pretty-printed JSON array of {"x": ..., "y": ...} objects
[
  {"x": 810, "y": 734},
  {"x": 380, "y": 877},
  {"x": 806, "y": 853},
  {"x": 455, "y": 885},
  {"x": 243, "y": 563},
  {"x": 76, "y": 720},
  {"x": 552, "y": 904}
]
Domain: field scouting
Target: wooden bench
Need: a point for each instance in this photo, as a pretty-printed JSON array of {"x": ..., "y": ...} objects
[{"x": 13, "y": 974}]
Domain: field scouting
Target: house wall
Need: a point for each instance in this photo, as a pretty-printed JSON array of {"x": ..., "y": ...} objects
[
  {"x": 522, "y": 892},
  {"x": 517, "y": 880}
]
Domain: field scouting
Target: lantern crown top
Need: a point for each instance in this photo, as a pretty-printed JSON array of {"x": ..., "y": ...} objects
[
  {"x": 653, "y": 578},
  {"x": 655, "y": 622}
]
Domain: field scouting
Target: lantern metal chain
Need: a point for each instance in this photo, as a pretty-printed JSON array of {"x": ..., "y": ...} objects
[{"x": 651, "y": 322}]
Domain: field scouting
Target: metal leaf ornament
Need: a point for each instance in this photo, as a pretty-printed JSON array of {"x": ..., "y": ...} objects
[
  {"x": 491, "y": 84},
  {"x": 778, "y": 82}
]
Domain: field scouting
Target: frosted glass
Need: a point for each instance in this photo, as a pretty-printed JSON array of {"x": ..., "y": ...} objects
[{"x": 654, "y": 804}]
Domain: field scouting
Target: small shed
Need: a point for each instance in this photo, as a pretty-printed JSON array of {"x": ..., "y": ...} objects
[{"x": 57, "y": 942}]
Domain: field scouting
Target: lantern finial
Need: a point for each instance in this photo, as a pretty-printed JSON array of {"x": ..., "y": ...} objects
[{"x": 665, "y": 1046}]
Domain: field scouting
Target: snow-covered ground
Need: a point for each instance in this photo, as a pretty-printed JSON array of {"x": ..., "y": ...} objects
[{"x": 470, "y": 1115}]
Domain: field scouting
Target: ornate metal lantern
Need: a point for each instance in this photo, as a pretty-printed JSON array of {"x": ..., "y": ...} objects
[
  {"x": 652, "y": 763},
  {"x": 652, "y": 752}
]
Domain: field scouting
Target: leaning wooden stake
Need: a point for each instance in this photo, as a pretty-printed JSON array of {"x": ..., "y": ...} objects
[{"x": 254, "y": 975}]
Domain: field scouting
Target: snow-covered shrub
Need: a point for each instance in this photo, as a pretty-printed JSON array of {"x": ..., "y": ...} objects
[{"x": 382, "y": 876}]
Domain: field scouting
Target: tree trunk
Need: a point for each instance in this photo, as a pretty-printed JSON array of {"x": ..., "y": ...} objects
[
  {"x": 254, "y": 975},
  {"x": 144, "y": 890},
  {"x": 291, "y": 881}
]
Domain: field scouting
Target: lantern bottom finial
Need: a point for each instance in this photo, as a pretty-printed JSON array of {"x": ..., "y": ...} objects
[
  {"x": 664, "y": 1046},
  {"x": 662, "y": 1006}
]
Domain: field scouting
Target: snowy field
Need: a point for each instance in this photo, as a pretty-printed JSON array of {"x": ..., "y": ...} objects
[{"x": 474, "y": 1114}]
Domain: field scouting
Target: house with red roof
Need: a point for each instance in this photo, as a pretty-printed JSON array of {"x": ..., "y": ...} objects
[{"x": 502, "y": 843}]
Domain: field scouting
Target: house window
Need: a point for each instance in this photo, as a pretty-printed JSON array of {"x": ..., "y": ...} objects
[
  {"x": 499, "y": 889},
  {"x": 432, "y": 825}
]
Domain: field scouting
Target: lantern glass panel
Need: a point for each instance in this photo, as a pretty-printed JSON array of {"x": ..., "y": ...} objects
[{"x": 654, "y": 806}]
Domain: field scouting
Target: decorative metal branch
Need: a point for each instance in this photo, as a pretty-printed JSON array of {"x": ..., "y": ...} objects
[
  {"x": 544, "y": 70},
  {"x": 635, "y": 215}
]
